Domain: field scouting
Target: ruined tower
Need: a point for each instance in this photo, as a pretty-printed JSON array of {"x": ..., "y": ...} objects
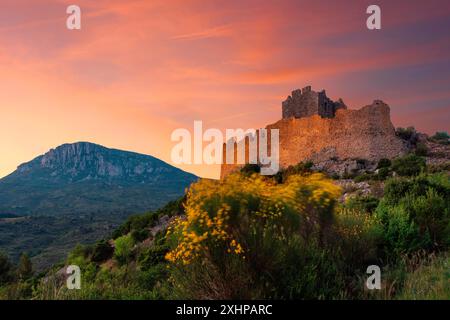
[
  {"x": 306, "y": 102},
  {"x": 312, "y": 130}
]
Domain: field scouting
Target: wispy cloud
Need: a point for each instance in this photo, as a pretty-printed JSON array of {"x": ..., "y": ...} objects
[
  {"x": 140, "y": 68},
  {"x": 215, "y": 32}
]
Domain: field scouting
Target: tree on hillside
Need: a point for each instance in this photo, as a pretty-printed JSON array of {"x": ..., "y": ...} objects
[
  {"x": 441, "y": 137},
  {"x": 25, "y": 268},
  {"x": 6, "y": 268},
  {"x": 123, "y": 249}
]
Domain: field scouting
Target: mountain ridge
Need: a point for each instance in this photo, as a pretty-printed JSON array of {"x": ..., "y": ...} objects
[
  {"x": 67, "y": 151},
  {"x": 79, "y": 193},
  {"x": 72, "y": 169}
]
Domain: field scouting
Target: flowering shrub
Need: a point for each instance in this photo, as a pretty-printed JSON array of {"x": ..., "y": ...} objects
[
  {"x": 216, "y": 211},
  {"x": 247, "y": 224},
  {"x": 358, "y": 234}
]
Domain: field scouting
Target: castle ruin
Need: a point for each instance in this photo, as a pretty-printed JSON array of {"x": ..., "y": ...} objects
[
  {"x": 314, "y": 128},
  {"x": 306, "y": 102}
]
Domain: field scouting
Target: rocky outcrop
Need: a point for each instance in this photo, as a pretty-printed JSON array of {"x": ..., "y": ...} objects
[
  {"x": 366, "y": 133},
  {"x": 85, "y": 161}
]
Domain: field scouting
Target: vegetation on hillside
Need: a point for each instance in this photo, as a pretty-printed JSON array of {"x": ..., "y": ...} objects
[
  {"x": 47, "y": 239},
  {"x": 288, "y": 236},
  {"x": 441, "y": 137}
]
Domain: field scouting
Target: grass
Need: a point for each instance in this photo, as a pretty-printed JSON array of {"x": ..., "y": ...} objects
[{"x": 430, "y": 281}]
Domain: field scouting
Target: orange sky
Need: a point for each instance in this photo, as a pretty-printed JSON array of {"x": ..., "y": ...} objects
[{"x": 139, "y": 69}]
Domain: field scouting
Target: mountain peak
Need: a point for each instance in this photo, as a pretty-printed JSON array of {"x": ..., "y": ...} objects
[
  {"x": 91, "y": 177},
  {"x": 85, "y": 160}
]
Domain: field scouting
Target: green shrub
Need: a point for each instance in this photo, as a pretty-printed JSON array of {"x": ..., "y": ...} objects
[
  {"x": 415, "y": 213},
  {"x": 421, "y": 150},
  {"x": 384, "y": 163},
  {"x": 409, "y": 134},
  {"x": 300, "y": 168},
  {"x": 140, "y": 235},
  {"x": 383, "y": 173},
  {"x": 348, "y": 175},
  {"x": 401, "y": 233},
  {"x": 335, "y": 176},
  {"x": 437, "y": 168},
  {"x": 441, "y": 137},
  {"x": 175, "y": 207},
  {"x": 307, "y": 271},
  {"x": 409, "y": 165},
  {"x": 135, "y": 223},
  {"x": 123, "y": 249},
  {"x": 6, "y": 269},
  {"x": 123, "y": 283},
  {"x": 19, "y": 290},
  {"x": 102, "y": 251},
  {"x": 431, "y": 212},
  {"x": 80, "y": 255},
  {"x": 366, "y": 204},
  {"x": 397, "y": 188},
  {"x": 143, "y": 221},
  {"x": 149, "y": 278},
  {"x": 358, "y": 235},
  {"x": 363, "y": 177},
  {"x": 152, "y": 256},
  {"x": 25, "y": 267},
  {"x": 249, "y": 169},
  {"x": 361, "y": 163}
]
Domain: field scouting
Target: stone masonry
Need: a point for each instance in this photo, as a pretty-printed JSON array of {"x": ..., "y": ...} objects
[
  {"x": 305, "y": 103},
  {"x": 309, "y": 132}
]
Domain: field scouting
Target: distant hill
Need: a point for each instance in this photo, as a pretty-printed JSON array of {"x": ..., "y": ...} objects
[
  {"x": 89, "y": 178},
  {"x": 78, "y": 193}
]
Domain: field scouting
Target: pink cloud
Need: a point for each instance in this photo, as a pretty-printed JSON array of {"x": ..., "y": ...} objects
[{"x": 139, "y": 69}]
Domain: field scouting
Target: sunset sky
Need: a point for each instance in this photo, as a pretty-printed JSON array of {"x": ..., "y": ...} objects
[{"x": 138, "y": 69}]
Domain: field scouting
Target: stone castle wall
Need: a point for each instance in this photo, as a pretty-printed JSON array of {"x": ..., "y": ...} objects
[
  {"x": 306, "y": 102},
  {"x": 366, "y": 133}
]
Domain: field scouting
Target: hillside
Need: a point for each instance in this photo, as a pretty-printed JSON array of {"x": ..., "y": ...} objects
[
  {"x": 295, "y": 235},
  {"x": 89, "y": 178},
  {"x": 78, "y": 193}
]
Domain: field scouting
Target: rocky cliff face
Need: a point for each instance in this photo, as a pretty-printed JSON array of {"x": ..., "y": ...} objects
[
  {"x": 85, "y": 161},
  {"x": 366, "y": 133}
]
